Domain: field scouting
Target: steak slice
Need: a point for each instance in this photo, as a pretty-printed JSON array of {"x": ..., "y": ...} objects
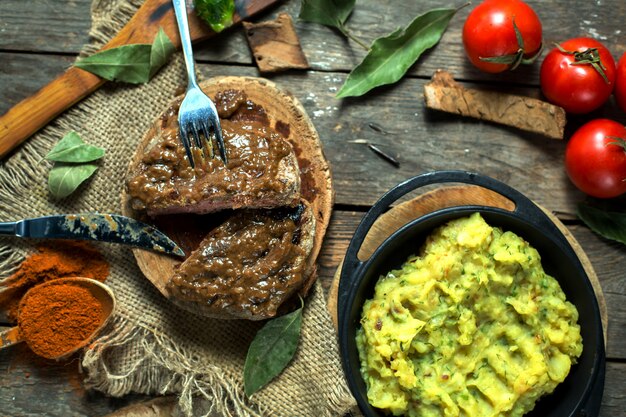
[
  {"x": 249, "y": 265},
  {"x": 262, "y": 170}
]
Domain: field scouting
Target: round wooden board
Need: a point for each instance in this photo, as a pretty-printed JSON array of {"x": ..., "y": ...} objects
[
  {"x": 452, "y": 196},
  {"x": 296, "y": 126}
]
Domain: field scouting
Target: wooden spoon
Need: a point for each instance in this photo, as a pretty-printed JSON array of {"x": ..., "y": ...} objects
[{"x": 101, "y": 292}]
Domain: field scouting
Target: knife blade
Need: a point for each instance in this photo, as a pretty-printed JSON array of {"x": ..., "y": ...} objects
[{"x": 110, "y": 228}]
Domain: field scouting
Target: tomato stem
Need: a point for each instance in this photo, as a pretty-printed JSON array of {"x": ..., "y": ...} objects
[
  {"x": 590, "y": 56},
  {"x": 617, "y": 141},
  {"x": 517, "y": 58}
]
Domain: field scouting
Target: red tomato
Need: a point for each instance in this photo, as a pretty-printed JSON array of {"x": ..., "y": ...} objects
[
  {"x": 620, "y": 83},
  {"x": 570, "y": 80},
  {"x": 595, "y": 158},
  {"x": 489, "y": 34}
]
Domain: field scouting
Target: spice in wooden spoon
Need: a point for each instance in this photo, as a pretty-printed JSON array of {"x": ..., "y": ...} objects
[{"x": 59, "y": 317}]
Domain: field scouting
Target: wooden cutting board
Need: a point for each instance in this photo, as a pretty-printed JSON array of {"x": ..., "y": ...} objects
[
  {"x": 284, "y": 110},
  {"x": 452, "y": 196}
]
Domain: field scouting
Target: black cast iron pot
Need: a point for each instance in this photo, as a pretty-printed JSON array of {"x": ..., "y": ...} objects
[{"x": 581, "y": 392}]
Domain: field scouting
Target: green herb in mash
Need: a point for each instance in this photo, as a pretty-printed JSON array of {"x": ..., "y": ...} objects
[{"x": 472, "y": 327}]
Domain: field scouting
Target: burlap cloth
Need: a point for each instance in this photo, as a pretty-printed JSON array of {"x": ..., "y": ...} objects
[{"x": 150, "y": 346}]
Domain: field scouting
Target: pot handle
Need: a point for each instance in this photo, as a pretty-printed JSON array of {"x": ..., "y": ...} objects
[{"x": 523, "y": 208}]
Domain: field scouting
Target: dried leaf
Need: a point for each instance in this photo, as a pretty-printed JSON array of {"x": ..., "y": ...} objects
[
  {"x": 333, "y": 13},
  {"x": 271, "y": 350},
  {"x": 71, "y": 148},
  {"x": 391, "y": 56},
  {"x": 216, "y": 13},
  {"x": 65, "y": 178},
  {"x": 609, "y": 224},
  {"x": 162, "y": 50},
  {"x": 127, "y": 63}
]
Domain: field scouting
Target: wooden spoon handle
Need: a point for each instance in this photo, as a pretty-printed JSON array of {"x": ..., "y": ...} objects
[
  {"x": 33, "y": 113},
  {"x": 10, "y": 336}
]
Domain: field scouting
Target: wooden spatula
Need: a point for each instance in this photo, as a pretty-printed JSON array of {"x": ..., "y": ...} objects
[{"x": 33, "y": 113}]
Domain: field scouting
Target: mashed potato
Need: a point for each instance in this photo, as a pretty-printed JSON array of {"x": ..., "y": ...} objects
[{"x": 472, "y": 327}]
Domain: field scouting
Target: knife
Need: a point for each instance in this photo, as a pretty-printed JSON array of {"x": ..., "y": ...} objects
[{"x": 111, "y": 228}]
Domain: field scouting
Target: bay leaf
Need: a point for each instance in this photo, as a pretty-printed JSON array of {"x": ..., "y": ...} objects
[
  {"x": 609, "y": 224},
  {"x": 218, "y": 14},
  {"x": 391, "y": 56},
  {"x": 127, "y": 63},
  {"x": 64, "y": 179},
  {"x": 161, "y": 51},
  {"x": 271, "y": 350},
  {"x": 71, "y": 148},
  {"x": 333, "y": 13}
]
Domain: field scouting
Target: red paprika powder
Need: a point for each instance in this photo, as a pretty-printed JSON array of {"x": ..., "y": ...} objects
[
  {"x": 53, "y": 260},
  {"x": 55, "y": 319}
]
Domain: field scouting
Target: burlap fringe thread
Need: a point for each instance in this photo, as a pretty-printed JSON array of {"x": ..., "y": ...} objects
[{"x": 222, "y": 398}]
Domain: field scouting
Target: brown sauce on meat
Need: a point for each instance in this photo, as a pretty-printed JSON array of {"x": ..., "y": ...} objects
[
  {"x": 165, "y": 178},
  {"x": 248, "y": 266}
]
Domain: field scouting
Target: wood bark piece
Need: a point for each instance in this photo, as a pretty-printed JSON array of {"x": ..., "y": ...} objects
[
  {"x": 525, "y": 113},
  {"x": 275, "y": 45}
]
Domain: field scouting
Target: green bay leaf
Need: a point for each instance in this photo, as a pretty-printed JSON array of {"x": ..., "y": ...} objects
[
  {"x": 161, "y": 52},
  {"x": 64, "y": 179},
  {"x": 127, "y": 63},
  {"x": 218, "y": 14},
  {"x": 271, "y": 350},
  {"x": 609, "y": 224},
  {"x": 71, "y": 148},
  {"x": 391, "y": 56},
  {"x": 333, "y": 13}
]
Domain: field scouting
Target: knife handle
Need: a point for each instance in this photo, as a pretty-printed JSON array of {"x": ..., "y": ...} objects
[
  {"x": 31, "y": 114},
  {"x": 8, "y": 228}
]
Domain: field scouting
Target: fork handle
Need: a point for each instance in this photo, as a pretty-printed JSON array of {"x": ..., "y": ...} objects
[{"x": 180, "y": 10}]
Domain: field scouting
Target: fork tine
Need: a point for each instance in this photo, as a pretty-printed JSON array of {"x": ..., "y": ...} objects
[
  {"x": 206, "y": 128},
  {"x": 218, "y": 137},
  {"x": 196, "y": 134},
  {"x": 185, "y": 140}
]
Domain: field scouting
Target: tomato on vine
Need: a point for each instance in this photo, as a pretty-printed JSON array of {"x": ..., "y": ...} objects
[
  {"x": 595, "y": 158},
  {"x": 499, "y": 35},
  {"x": 620, "y": 83},
  {"x": 578, "y": 75}
]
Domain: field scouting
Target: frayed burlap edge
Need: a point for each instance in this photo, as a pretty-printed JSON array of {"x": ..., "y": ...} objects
[{"x": 160, "y": 352}]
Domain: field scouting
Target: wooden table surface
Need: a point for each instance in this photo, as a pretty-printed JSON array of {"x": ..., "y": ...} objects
[{"x": 40, "y": 38}]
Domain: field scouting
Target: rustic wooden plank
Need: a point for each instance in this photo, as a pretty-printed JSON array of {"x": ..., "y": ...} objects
[
  {"x": 32, "y": 386},
  {"x": 614, "y": 400},
  {"x": 21, "y": 75},
  {"x": 608, "y": 260},
  {"x": 422, "y": 139},
  {"x": 62, "y": 26},
  {"x": 44, "y": 26}
]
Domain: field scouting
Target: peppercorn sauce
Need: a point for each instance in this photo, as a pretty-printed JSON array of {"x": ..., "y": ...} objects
[
  {"x": 248, "y": 266},
  {"x": 165, "y": 181}
]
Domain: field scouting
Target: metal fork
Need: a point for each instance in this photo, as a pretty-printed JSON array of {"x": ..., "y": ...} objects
[{"x": 197, "y": 114}]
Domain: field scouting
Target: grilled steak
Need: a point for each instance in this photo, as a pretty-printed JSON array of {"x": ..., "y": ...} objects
[
  {"x": 262, "y": 170},
  {"x": 249, "y": 265}
]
